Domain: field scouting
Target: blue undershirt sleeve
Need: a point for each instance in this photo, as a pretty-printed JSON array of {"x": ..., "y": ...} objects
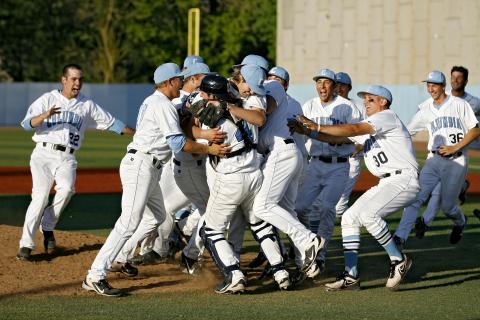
[{"x": 176, "y": 142}]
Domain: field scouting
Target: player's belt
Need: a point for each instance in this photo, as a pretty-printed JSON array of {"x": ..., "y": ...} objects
[
  {"x": 386, "y": 175},
  {"x": 331, "y": 159},
  {"x": 287, "y": 141},
  {"x": 58, "y": 147},
  {"x": 155, "y": 162},
  {"x": 179, "y": 163},
  {"x": 455, "y": 155}
]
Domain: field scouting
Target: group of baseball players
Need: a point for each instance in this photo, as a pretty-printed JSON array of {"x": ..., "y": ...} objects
[{"x": 239, "y": 151}]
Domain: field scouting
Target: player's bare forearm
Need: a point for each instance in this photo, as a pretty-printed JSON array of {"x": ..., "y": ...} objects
[
  {"x": 36, "y": 121},
  {"x": 254, "y": 116},
  {"x": 338, "y": 130},
  {"x": 199, "y": 148},
  {"x": 471, "y": 135}
]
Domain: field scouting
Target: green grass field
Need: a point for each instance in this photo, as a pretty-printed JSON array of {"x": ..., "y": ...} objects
[
  {"x": 103, "y": 150},
  {"x": 444, "y": 283}
]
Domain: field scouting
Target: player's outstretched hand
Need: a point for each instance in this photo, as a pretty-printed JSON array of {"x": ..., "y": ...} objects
[
  {"x": 446, "y": 151},
  {"x": 219, "y": 149},
  {"x": 214, "y": 135}
]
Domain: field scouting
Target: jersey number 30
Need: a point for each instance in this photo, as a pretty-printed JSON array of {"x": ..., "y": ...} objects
[{"x": 380, "y": 158}]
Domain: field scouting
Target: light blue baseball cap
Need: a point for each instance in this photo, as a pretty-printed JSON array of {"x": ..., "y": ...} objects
[
  {"x": 254, "y": 76},
  {"x": 280, "y": 72},
  {"x": 435, "y": 77},
  {"x": 190, "y": 60},
  {"x": 325, "y": 73},
  {"x": 196, "y": 68},
  {"x": 253, "y": 59},
  {"x": 166, "y": 71},
  {"x": 342, "y": 77},
  {"x": 377, "y": 90}
]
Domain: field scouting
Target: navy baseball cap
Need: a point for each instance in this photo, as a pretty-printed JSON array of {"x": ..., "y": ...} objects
[
  {"x": 280, "y": 72},
  {"x": 377, "y": 90},
  {"x": 435, "y": 77},
  {"x": 190, "y": 60},
  {"x": 342, "y": 77},
  {"x": 166, "y": 71},
  {"x": 325, "y": 73},
  {"x": 253, "y": 59},
  {"x": 254, "y": 76},
  {"x": 196, "y": 68}
]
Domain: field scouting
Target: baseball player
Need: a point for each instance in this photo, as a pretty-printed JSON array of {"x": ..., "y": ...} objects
[
  {"x": 158, "y": 134},
  {"x": 458, "y": 81},
  {"x": 281, "y": 75},
  {"x": 328, "y": 170},
  {"x": 189, "y": 178},
  {"x": 236, "y": 182},
  {"x": 389, "y": 155},
  {"x": 452, "y": 126},
  {"x": 59, "y": 119},
  {"x": 343, "y": 88}
]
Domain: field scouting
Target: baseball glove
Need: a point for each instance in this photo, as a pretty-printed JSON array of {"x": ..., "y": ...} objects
[{"x": 208, "y": 113}]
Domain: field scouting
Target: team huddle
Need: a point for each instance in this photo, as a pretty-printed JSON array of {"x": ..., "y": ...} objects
[{"x": 212, "y": 155}]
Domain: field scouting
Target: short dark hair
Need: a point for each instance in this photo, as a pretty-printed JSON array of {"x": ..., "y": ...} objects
[
  {"x": 70, "y": 66},
  {"x": 461, "y": 69}
]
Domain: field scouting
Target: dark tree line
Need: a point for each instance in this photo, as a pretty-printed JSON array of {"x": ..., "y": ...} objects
[{"x": 119, "y": 41}]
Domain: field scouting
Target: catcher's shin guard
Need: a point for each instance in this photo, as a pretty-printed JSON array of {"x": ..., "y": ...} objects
[{"x": 215, "y": 242}]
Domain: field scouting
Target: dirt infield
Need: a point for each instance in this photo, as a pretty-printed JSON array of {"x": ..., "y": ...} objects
[
  {"x": 17, "y": 180},
  {"x": 62, "y": 272}
]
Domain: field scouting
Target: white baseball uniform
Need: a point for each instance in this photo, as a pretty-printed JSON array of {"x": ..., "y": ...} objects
[
  {"x": 275, "y": 202},
  {"x": 447, "y": 124},
  {"x": 389, "y": 155},
  {"x": 53, "y": 158},
  {"x": 140, "y": 172},
  {"x": 434, "y": 203},
  {"x": 328, "y": 170},
  {"x": 236, "y": 182}
]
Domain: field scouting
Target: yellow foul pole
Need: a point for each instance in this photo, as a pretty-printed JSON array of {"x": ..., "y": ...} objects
[{"x": 194, "y": 31}]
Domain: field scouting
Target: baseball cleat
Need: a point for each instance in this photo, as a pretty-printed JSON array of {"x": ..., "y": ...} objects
[
  {"x": 124, "y": 268},
  {"x": 235, "y": 282},
  {"x": 398, "y": 270},
  {"x": 457, "y": 232},
  {"x": 282, "y": 278},
  {"x": 101, "y": 287},
  {"x": 311, "y": 253},
  {"x": 420, "y": 228},
  {"x": 49, "y": 243},
  {"x": 190, "y": 266},
  {"x": 345, "y": 281},
  {"x": 24, "y": 254},
  {"x": 147, "y": 259}
]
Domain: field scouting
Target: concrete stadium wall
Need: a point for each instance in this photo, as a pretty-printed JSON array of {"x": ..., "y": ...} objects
[{"x": 378, "y": 41}]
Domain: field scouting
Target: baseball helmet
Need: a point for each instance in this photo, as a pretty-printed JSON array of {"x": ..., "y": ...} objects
[{"x": 219, "y": 86}]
